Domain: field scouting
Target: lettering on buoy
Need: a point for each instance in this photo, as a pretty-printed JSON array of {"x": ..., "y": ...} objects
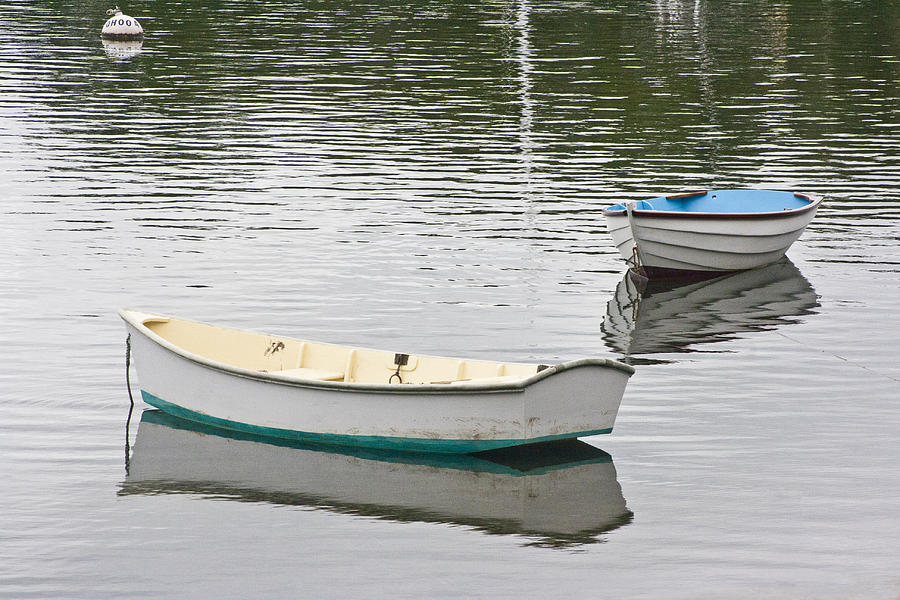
[{"x": 121, "y": 27}]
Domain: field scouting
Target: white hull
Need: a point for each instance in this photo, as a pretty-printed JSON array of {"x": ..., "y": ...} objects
[
  {"x": 706, "y": 242},
  {"x": 574, "y": 399},
  {"x": 568, "y": 500}
]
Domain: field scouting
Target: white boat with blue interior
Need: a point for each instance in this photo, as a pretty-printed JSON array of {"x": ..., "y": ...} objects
[{"x": 709, "y": 232}]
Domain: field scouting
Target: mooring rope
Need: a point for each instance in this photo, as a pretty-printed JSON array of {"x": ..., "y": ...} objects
[
  {"x": 637, "y": 261},
  {"x": 837, "y": 356},
  {"x": 128, "y": 369},
  {"x": 131, "y": 407}
]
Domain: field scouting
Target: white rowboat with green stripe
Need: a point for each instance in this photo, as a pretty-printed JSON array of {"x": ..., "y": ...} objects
[{"x": 310, "y": 391}]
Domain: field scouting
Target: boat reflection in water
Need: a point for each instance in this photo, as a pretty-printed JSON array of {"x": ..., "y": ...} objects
[
  {"x": 557, "y": 494},
  {"x": 670, "y": 316}
]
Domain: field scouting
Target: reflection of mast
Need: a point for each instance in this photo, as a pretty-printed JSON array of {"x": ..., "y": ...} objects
[
  {"x": 707, "y": 95},
  {"x": 524, "y": 56},
  {"x": 682, "y": 28}
]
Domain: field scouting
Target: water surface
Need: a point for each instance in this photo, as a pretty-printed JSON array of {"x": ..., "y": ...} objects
[{"x": 430, "y": 176}]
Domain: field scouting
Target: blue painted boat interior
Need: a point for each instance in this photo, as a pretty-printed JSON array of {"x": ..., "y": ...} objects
[{"x": 724, "y": 201}]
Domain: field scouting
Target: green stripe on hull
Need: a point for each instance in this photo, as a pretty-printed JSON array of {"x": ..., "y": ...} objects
[{"x": 370, "y": 441}]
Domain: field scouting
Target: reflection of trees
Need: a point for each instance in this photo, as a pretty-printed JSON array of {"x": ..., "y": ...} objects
[{"x": 688, "y": 81}]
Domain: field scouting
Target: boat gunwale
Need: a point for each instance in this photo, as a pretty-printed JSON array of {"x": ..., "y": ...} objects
[
  {"x": 137, "y": 320},
  {"x": 814, "y": 202}
]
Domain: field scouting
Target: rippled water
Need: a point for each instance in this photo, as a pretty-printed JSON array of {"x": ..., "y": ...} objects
[{"x": 431, "y": 176}]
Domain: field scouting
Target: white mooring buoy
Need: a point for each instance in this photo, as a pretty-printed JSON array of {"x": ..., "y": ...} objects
[{"x": 121, "y": 27}]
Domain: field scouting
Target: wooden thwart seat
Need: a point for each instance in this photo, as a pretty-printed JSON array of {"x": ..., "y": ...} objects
[
  {"x": 497, "y": 379},
  {"x": 318, "y": 374}
]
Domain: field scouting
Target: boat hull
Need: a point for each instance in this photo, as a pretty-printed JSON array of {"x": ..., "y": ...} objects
[
  {"x": 672, "y": 242},
  {"x": 574, "y": 400}
]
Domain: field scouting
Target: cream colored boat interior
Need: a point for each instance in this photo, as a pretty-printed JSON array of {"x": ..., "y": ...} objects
[{"x": 305, "y": 360}]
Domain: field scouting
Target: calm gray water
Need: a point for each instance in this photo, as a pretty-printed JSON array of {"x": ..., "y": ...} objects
[{"x": 430, "y": 176}]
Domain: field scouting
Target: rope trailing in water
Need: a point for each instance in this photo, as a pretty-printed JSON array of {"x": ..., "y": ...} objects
[
  {"x": 130, "y": 408},
  {"x": 837, "y": 356},
  {"x": 128, "y": 369}
]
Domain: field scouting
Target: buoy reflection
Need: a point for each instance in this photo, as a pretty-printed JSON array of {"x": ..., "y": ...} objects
[{"x": 122, "y": 50}]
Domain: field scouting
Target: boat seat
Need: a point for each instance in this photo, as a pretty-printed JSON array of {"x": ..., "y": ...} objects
[{"x": 305, "y": 373}]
